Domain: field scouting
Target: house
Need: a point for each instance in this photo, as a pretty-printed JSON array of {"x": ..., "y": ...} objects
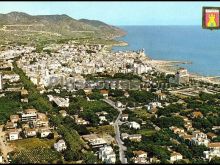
[
  {"x": 119, "y": 104},
  {"x": 94, "y": 140},
  {"x": 200, "y": 138},
  {"x": 59, "y": 101},
  {"x": 153, "y": 105},
  {"x": 10, "y": 125},
  {"x": 134, "y": 125},
  {"x": 175, "y": 156},
  {"x": 187, "y": 137},
  {"x": 24, "y": 93},
  {"x": 102, "y": 119},
  {"x": 140, "y": 157},
  {"x": 24, "y": 96},
  {"x": 126, "y": 94},
  {"x": 211, "y": 135},
  {"x": 107, "y": 155},
  {"x": 44, "y": 132},
  {"x": 101, "y": 113},
  {"x": 124, "y": 117},
  {"x": 135, "y": 137},
  {"x": 176, "y": 129},
  {"x": 24, "y": 126},
  {"x": 154, "y": 160},
  {"x": 215, "y": 146},
  {"x": 98, "y": 142},
  {"x": 30, "y": 132},
  {"x": 80, "y": 120},
  {"x": 14, "y": 118},
  {"x": 24, "y": 100},
  {"x": 104, "y": 93},
  {"x": 60, "y": 145},
  {"x": 13, "y": 135},
  {"x": 196, "y": 114},
  {"x": 29, "y": 115},
  {"x": 63, "y": 113},
  {"x": 42, "y": 120},
  {"x": 88, "y": 91},
  {"x": 213, "y": 152},
  {"x": 124, "y": 136}
]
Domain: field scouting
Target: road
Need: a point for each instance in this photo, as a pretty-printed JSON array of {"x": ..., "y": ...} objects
[{"x": 120, "y": 143}]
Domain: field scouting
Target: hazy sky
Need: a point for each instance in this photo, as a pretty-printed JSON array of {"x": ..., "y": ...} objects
[{"x": 118, "y": 13}]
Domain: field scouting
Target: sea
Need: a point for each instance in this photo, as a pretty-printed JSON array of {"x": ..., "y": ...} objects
[{"x": 182, "y": 43}]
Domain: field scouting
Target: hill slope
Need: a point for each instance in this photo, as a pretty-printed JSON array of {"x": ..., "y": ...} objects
[{"x": 22, "y": 24}]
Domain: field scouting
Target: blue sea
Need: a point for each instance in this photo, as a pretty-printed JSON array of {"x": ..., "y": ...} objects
[{"x": 185, "y": 43}]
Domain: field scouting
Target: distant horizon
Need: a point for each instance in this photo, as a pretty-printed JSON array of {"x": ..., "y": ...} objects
[{"x": 118, "y": 13}]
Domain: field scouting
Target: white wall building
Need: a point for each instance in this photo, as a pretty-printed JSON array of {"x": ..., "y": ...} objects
[
  {"x": 13, "y": 135},
  {"x": 213, "y": 152},
  {"x": 175, "y": 156},
  {"x": 107, "y": 155},
  {"x": 60, "y": 145},
  {"x": 200, "y": 138},
  {"x": 134, "y": 125}
]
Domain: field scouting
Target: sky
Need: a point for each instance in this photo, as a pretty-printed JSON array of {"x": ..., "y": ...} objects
[{"x": 118, "y": 13}]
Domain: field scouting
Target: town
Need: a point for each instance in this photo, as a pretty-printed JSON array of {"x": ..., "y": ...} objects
[{"x": 81, "y": 103}]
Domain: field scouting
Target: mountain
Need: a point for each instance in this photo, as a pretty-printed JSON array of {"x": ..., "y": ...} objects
[
  {"x": 108, "y": 29},
  {"x": 57, "y": 25}
]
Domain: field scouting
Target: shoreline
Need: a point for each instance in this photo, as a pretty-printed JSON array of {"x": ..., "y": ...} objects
[{"x": 170, "y": 67}]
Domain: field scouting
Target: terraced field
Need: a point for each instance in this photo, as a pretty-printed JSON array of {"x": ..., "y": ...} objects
[{"x": 34, "y": 150}]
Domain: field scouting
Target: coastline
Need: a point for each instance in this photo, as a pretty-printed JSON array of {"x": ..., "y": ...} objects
[{"x": 170, "y": 67}]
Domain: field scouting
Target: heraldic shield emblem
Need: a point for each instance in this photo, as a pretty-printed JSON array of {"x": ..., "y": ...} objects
[{"x": 211, "y": 18}]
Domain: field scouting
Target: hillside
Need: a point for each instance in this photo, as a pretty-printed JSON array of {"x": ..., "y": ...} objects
[{"x": 40, "y": 27}]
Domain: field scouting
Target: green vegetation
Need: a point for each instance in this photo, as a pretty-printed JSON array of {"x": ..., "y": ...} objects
[
  {"x": 105, "y": 129},
  {"x": 35, "y": 99},
  {"x": 34, "y": 150},
  {"x": 9, "y": 105},
  {"x": 90, "y": 108},
  {"x": 166, "y": 122},
  {"x": 146, "y": 132}
]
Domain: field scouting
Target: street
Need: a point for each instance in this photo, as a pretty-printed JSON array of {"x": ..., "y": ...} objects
[{"x": 120, "y": 143}]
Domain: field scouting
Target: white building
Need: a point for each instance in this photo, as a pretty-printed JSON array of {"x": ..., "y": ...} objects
[
  {"x": 134, "y": 125},
  {"x": 102, "y": 119},
  {"x": 59, "y": 101},
  {"x": 29, "y": 115},
  {"x": 181, "y": 77},
  {"x": 107, "y": 155},
  {"x": 119, "y": 104},
  {"x": 13, "y": 135},
  {"x": 200, "y": 138},
  {"x": 140, "y": 157},
  {"x": 213, "y": 152},
  {"x": 175, "y": 156},
  {"x": 152, "y": 105},
  {"x": 44, "y": 132},
  {"x": 60, "y": 145},
  {"x": 124, "y": 117}
]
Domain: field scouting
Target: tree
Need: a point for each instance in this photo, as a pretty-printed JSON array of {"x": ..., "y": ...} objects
[
  {"x": 197, "y": 150},
  {"x": 89, "y": 158},
  {"x": 96, "y": 96},
  {"x": 81, "y": 92}
]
